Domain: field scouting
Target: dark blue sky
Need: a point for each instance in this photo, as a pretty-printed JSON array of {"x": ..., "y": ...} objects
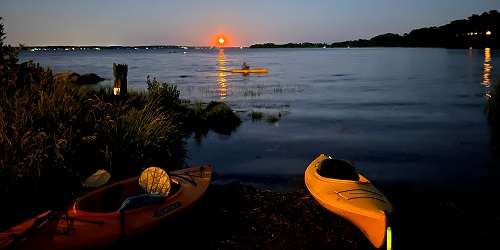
[{"x": 189, "y": 22}]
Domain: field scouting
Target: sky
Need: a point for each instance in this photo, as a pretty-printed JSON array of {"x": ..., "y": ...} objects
[{"x": 197, "y": 23}]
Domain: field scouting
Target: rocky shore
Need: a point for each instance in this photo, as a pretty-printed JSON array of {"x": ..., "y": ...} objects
[{"x": 236, "y": 216}]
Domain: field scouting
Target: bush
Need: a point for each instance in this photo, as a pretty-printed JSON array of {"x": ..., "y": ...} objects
[
  {"x": 167, "y": 96},
  {"x": 221, "y": 118},
  {"x": 273, "y": 118},
  {"x": 256, "y": 115},
  {"x": 149, "y": 136}
]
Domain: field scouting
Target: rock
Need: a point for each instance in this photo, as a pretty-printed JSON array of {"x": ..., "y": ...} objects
[{"x": 76, "y": 78}]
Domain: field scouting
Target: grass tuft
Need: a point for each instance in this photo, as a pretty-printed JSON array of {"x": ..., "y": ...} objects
[{"x": 256, "y": 116}]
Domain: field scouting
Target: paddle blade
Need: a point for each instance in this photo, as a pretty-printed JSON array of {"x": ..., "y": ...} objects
[{"x": 97, "y": 179}]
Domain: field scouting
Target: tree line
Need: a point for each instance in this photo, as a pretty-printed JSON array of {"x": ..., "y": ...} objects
[{"x": 478, "y": 31}]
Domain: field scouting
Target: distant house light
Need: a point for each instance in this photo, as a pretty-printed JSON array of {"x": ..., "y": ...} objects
[{"x": 488, "y": 33}]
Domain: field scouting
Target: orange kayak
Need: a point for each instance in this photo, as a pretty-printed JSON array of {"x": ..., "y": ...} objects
[
  {"x": 351, "y": 196},
  {"x": 251, "y": 71},
  {"x": 99, "y": 218}
]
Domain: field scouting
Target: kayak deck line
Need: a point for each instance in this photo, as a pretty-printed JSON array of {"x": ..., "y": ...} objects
[
  {"x": 366, "y": 197},
  {"x": 359, "y": 189},
  {"x": 367, "y": 194}
]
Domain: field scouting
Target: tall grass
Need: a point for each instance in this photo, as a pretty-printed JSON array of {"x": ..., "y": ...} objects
[{"x": 54, "y": 133}]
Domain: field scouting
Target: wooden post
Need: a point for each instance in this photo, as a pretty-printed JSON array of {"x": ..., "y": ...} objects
[{"x": 120, "y": 74}]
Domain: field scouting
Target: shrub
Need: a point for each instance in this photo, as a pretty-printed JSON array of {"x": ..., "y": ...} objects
[
  {"x": 255, "y": 115},
  {"x": 149, "y": 136},
  {"x": 166, "y": 95},
  {"x": 221, "y": 118},
  {"x": 273, "y": 118}
]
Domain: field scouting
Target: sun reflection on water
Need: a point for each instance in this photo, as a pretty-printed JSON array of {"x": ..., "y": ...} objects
[
  {"x": 487, "y": 68},
  {"x": 221, "y": 75}
]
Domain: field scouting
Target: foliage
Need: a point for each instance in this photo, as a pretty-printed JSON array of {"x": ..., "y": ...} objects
[
  {"x": 273, "y": 118},
  {"x": 167, "y": 96},
  {"x": 217, "y": 116},
  {"x": 255, "y": 115},
  {"x": 470, "y": 32},
  {"x": 221, "y": 118}
]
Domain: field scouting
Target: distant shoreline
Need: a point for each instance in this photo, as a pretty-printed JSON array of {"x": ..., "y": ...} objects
[
  {"x": 141, "y": 48},
  {"x": 86, "y": 47},
  {"x": 477, "y": 31}
]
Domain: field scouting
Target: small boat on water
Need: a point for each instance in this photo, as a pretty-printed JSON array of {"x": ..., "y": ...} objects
[
  {"x": 339, "y": 188},
  {"x": 108, "y": 214},
  {"x": 250, "y": 71}
]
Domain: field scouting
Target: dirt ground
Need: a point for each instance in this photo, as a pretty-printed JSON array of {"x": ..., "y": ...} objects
[{"x": 235, "y": 216}]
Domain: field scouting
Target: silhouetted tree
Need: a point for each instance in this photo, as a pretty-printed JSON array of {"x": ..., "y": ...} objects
[{"x": 470, "y": 32}]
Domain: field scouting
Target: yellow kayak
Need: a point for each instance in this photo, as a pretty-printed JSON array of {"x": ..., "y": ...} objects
[
  {"x": 251, "y": 71},
  {"x": 337, "y": 186}
]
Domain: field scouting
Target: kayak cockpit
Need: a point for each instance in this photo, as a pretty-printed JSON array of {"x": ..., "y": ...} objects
[
  {"x": 337, "y": 169},
  {"x": 125, "y": 194}
]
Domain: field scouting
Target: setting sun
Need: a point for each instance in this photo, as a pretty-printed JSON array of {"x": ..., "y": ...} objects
[{"x": 221, "y": 41}]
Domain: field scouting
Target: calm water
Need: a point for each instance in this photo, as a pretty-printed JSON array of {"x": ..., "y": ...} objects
[{"x": 401, "y": 115}]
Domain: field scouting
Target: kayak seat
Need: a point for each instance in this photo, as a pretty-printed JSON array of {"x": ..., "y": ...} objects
[
  {"x": 337, "y": 169},
  {"x": 140, "y": 200},
  {"x": 112, "y": 198},
  {"x": 144, "y": 199}
]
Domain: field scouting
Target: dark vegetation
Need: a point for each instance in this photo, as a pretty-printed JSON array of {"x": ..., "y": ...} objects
[
  {"x": 269, "y": 118},
  {"x": 256, "y": 116},
  {"x": 53, "y": 133},
  {"x": 273, "y": 118},
  {"x": 465, "y": 33},
  {"x": 216, "y": 116}
]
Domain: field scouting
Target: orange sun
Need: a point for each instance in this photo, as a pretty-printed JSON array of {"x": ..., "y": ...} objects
[{"x": 221, "y": 41}]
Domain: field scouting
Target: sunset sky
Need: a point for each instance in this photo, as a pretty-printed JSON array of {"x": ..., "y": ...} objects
[{"x": 189, "y": 22}]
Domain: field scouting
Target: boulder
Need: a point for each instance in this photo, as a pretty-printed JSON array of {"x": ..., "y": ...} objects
[{"x": 78, "y": 79}]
